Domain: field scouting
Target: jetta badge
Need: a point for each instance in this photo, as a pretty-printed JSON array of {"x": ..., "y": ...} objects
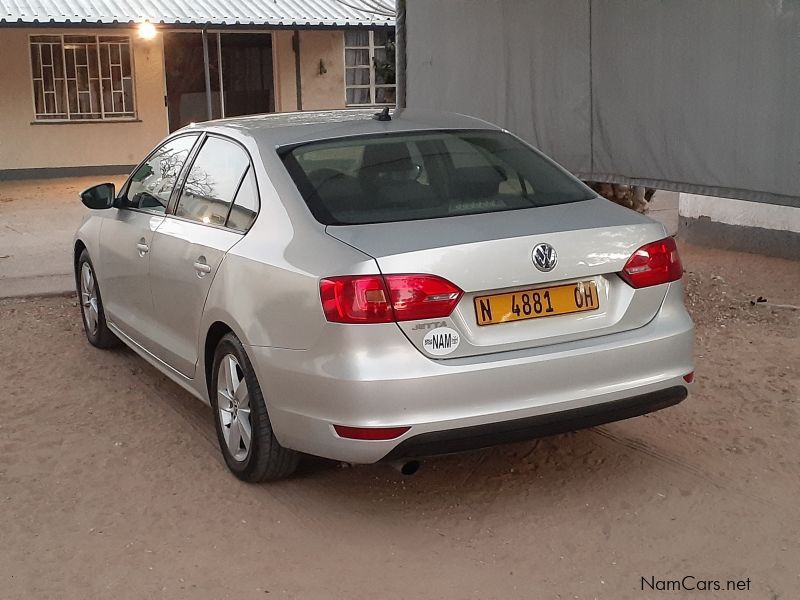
[{"x": 544, "y": 257}]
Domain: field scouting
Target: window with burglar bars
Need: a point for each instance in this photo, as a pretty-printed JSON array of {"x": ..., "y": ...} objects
[
  {"x": 369, "y": 60},
  {"x": 82, "y": 77}
]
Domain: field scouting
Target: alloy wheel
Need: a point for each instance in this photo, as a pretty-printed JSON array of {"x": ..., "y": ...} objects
[
  {"x": 233, "y": 404},
  {"x": 89, "y": 298}
]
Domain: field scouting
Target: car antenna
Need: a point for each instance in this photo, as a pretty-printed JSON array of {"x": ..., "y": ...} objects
[{"x": 383, "y": 115}]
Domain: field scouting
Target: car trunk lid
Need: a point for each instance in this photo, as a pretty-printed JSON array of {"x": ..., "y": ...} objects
[{"x": 490, "y": 254}]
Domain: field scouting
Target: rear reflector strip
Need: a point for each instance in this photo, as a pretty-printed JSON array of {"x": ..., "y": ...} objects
[
  {"x": 689, "y": 377},
  {"x": 369, "y": 433}
]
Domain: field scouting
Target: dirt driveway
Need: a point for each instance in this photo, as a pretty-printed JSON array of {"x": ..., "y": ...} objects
[
  {"x": 38, "y": 218},
  {"x": 111, "y": 485}
]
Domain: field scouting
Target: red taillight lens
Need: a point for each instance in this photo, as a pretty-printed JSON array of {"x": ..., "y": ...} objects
[
  {"x": 356, "y": 299},
  {"x": 369, "y": 433},
  {"x": 383, "y": 299},
  {"x": 652, "y": 264},
  {"x": 421, "y": 296}
]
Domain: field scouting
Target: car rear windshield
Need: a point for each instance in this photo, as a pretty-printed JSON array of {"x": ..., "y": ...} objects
[{"x": 429, "y": 175}]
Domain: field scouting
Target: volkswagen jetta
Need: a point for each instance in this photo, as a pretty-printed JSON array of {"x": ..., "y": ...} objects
[{"x": 365, "y": 287}]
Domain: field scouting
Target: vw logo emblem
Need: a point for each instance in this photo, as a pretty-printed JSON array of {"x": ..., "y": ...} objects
[{"x": 544, "y": 257}]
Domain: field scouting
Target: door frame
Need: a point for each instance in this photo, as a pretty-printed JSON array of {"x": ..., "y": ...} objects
[{"x": 217, "y": 32}]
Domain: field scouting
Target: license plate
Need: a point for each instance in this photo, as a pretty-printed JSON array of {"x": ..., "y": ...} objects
[{"x": 535, "y": 303}]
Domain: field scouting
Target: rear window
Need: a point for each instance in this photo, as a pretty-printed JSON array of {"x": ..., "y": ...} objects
[{"x": 430, "y": 175}]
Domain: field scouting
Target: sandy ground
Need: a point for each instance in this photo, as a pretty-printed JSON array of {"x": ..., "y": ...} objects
[
  {"x": 37, "y": 221},
  {"x": 111, "y": 484}
]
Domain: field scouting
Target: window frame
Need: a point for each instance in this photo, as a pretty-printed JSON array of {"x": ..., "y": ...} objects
[
  {"x": 178, "y": 189},
  {"x": 37, "y": 119},
  {"x": 250, "y": 169},
  {"x": 372, "y": 85}
]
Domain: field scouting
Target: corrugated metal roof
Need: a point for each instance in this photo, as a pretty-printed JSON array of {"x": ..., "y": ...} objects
[{"x": 291, "y": 13}]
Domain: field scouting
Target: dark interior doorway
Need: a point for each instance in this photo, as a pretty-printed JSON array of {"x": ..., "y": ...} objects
[
  {"x": 240, "y": 69},
  {"x": 247, "y": 77}
]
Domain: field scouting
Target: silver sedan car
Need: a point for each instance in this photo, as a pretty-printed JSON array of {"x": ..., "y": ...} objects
[{"x": 381, "y": 287}]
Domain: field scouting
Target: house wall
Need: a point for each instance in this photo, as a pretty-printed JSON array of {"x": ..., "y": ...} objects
[
  {"x": 27, "y": 145},
  {"x": 320, "y": 90},
  {"x": 33, "y": 149}
]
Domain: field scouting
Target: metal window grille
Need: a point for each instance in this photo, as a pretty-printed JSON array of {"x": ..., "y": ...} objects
[
  {"x": 82, "y": 77},
  {"x": 364, "y": 84}
]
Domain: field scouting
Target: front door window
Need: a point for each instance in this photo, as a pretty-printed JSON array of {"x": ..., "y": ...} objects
[{"x": 152, "y": 183}]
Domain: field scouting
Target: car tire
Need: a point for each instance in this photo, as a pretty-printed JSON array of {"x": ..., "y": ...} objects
[
  {"x": 245, "y": 435},
  {"x": 92, "y": 313}
]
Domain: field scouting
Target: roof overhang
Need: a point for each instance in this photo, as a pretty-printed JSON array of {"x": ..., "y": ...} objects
[
  {"x": 188, "y": 26},
  {"x": 216, "y": 14}
]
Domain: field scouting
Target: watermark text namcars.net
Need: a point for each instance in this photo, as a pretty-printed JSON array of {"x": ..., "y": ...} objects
[{"x": 690, "y": 583}]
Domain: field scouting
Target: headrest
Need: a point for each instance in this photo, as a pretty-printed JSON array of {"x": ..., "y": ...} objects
[
  {"x": 388, "y": 163},
  {"x": 476, "y": 182},
  {"x": 387, "y": 157}
]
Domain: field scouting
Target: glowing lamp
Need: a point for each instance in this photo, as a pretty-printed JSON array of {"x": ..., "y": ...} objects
[{"x": 147, "y": 31}]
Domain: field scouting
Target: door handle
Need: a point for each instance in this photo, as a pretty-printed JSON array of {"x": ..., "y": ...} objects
[
  {"x": 142, "y": 248},
  {"x": 202, "y": 268}
]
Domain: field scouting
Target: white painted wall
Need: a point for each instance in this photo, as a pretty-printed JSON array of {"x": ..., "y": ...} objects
[{"x": 739, "y": 212}]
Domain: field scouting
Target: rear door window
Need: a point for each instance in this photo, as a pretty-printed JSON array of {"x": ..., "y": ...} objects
[
  {"x": 407, "y": 176},
  {"x": 212, "y": 182}
]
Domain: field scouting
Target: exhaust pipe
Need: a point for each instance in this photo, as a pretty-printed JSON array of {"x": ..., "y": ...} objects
[{"x": 406, "y": 467}]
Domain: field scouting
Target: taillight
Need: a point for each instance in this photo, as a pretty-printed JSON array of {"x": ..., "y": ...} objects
[
  {"x": 383, "y": 299},
  {"x": 355, "y": 299},
  {"x": 421, "y": 296},
  {"x": 652, "y": 264}
]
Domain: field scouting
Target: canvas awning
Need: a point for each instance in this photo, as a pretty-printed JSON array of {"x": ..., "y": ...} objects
[{"x": 691, "y": 96}]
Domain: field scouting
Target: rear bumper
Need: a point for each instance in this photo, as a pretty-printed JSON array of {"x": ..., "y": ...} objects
[
  {"x": 519, "y": 430},
  {"x": 371, "y": 376}
]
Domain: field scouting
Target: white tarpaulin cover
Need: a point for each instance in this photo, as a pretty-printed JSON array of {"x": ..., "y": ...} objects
[{"x": 700, "y": 96}]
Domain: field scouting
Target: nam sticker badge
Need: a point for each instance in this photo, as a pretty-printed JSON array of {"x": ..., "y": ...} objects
[{"x": 441, "y": 341}]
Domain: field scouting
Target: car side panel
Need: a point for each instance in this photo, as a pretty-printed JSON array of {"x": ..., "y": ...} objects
[
  {"x": 125, "y": 240},
  {"x": 269, "y": 281},
  {"x": 88, "y": 234},
  {"x": 267, "y": 288},
  {"x": 276, "y": 302},
  {"x": 180, "y": 249}
]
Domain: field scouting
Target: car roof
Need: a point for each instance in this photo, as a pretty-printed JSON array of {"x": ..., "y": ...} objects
[{"x": 285, "y": 129}]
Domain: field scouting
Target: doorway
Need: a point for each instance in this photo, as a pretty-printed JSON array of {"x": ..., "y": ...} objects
[{"x": 240, "y": 69}]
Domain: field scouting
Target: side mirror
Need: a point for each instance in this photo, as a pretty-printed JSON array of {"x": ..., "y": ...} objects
[{"x": 99, "y": 196}]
